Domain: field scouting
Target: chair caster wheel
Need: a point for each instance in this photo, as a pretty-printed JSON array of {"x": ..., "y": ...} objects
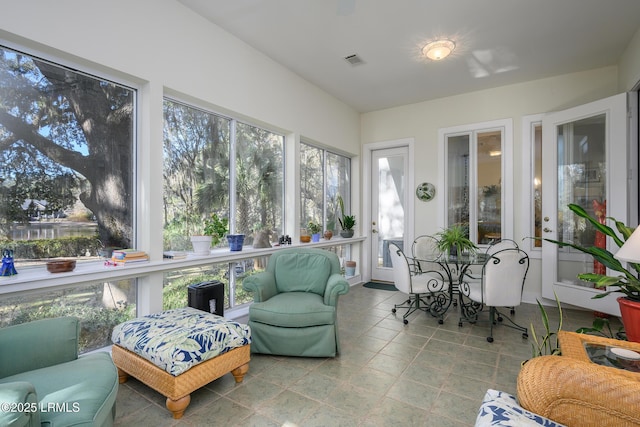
[
  {"x": 500, "y": 319},
  {"x": 393, "y": 310},
  {"x": 459, "y": 324},
  {"x": 525, "y": 336},
  {"x": 440, "y": 322},
  {"x": 490, "y": 339},
  {"x": 512, "y": 311},
  {"x": 405, "y": 321}
]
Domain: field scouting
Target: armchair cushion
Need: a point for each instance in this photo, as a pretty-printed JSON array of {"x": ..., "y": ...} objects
[
  {"x": 301, "y": 272},
  {"x": 293, "y": 310},
  {"x": 38, "y": 344},
  {"x": 502, "y": 409}
]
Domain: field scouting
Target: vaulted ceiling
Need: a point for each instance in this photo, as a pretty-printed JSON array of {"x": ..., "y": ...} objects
[{"x": 498, "y": 42}]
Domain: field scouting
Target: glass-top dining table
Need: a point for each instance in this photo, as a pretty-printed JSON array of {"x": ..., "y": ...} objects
[{"x": 457, "y": 270}]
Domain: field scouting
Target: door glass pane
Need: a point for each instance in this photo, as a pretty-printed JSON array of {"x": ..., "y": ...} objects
[
  {"x": 458, "y": 179},
  {"x": 537, "y": 185},
  {"x": 582, "y": 181},
  {"x": 489, "y": 186},
  {"x": 391, "y": 205}
]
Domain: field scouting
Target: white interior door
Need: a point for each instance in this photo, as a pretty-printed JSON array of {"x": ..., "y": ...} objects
[
  {"x": 389, "y": 197},
  {"x": 585, "y": 162}
]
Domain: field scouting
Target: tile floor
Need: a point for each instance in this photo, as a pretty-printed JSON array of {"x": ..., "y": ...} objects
[{"x": 421, "y": 374}]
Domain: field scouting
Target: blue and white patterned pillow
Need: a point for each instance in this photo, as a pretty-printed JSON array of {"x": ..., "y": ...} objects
[
  {"x": 176, "y": 340},
  {"x": 502, "y": 409}
]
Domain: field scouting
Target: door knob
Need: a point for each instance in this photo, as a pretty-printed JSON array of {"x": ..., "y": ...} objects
[
  {"x": 547, "y": 230},
  {"x": 374, "y": 231}
]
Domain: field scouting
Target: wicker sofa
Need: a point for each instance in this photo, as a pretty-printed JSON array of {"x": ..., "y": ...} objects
[{"x": 572, "y": 390}]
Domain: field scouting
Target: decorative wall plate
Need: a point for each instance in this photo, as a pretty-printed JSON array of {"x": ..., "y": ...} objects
[{"x": 426, "y": 191}]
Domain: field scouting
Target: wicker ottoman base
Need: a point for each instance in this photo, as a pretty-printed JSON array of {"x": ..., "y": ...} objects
[{"x": 177, "y": 389}]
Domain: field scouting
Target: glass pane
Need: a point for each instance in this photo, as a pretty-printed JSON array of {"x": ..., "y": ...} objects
[
  {"x": 537, "y": 185},
  {"x": 196, "y": 171},
  {"x": 338, "y": 183},
  {"x": 100, "y": 307},
  {"x": 311, "y": 185},
  {"x": 391, "y": 205},
  {"x": 66, "y": 161},
  {"x": 259, "y": 182},
  {"x": 458, "y": 179},
  {"x": 581, "y": 180},
  {"x": 489, "y": 187}
]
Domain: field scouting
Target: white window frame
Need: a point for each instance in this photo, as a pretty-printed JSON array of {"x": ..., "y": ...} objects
[
  {"x": 507, "y": 210},
  {"x": 529, "y": 123}
]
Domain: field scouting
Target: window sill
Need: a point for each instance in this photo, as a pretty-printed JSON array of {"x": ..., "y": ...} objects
[{"x": 32, "y": 279}]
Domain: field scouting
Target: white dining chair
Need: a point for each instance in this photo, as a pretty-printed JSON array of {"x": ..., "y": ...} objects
[
  {"x": 418, "y": 285},
  {"x": 501, "y": 284}
]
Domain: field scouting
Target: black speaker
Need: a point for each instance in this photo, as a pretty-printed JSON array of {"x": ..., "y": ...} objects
[{"x": 207, "y": 296}]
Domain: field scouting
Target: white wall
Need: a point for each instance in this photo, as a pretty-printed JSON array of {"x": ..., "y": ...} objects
[
  {"x": 630, "y": 65},
  {"x": 422, "y": 121}
]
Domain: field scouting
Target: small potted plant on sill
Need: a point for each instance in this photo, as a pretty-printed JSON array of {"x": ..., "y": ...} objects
[
  {"x": 314, "y": 229},
  {"x": 214, "y": 230},
  {"x": 628, "y": 282},
  {"x": 347, "y": 222}
]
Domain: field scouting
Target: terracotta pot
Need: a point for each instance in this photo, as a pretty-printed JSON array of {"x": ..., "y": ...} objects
[{"x": 630, "y": 311}]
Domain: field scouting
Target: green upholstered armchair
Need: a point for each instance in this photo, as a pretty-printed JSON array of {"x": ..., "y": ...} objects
[
  {"x": 295, "y": 304},
  {"x": 44, "y": 382}
]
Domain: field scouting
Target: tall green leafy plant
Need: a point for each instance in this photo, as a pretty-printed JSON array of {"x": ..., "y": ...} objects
[
  {"x": 546, "y": 344},
  {"x": 627, "y": 281},
  {"x": 347, "y": 222}
]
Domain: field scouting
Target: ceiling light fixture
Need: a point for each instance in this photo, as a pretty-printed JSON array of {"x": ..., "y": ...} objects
[{"x": 438, "y": 49}]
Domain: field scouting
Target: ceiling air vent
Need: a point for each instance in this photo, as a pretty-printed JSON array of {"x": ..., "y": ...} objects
[{"x": 354, "y": 59}]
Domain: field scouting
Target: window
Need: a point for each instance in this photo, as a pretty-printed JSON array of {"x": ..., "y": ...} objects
[
  {"x": 66, "y": 187},
  {"x": 216, "y": 164},
  {"x": 478, "y": 180},
  {"x": 66, "y": 161},
  {"x": 323, "y": 177}
]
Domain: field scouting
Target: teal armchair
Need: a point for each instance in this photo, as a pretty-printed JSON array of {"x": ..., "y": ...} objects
[
  {"x": 294, "y": 312},
  {"x": 46, "y": 383}
]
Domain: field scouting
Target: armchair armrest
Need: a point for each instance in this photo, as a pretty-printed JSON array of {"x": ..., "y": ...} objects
[
  {"x": 19, "y": 404},
  {"x": 38, "y": 344},
  {"x": 336, "y": 286},
  {"x": 579, "y": 393},
  {"x": 263, "y": 285}
]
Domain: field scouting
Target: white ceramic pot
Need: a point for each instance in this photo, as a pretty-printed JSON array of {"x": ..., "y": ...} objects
[{"x": 201, "y": 245}]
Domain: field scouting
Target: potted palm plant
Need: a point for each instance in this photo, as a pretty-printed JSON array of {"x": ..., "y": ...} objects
[
  {"x": 627, "y": 282},
  {"x": 454, "y": 241},
  {"x": 347, "y": 222}
]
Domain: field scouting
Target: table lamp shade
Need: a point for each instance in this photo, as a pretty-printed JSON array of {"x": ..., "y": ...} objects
[{"x": 630, "y": 251}]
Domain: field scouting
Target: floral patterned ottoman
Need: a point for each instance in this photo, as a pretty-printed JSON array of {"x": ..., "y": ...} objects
[{"x": 178, "y": 351}]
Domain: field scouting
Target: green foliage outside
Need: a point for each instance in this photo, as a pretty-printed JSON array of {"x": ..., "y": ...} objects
[
  {"x": 86, "y": 303},
  {"x": 73, "y": 247}
]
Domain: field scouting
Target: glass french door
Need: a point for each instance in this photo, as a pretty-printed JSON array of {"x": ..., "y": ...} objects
[
  {"x": 585, "y": 162},
  {"x": 389, "y": 196}
]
